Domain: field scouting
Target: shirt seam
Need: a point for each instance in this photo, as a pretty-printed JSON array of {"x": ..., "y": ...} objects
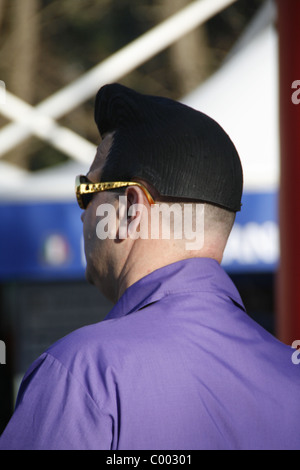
[{"x": 82, "y": 386}]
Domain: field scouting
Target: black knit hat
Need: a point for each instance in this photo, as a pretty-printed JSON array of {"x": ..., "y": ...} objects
[{"x": 180, "y": 151}]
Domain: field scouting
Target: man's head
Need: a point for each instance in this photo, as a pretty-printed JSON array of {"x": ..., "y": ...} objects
[
  {"x": 178, "y": 155},
  {"x": 181, "y": 152}
]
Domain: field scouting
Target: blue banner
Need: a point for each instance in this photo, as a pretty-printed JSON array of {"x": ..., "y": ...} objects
[
  {"x": 43, "y": 241},
  {"x": 254, "y": 242}
]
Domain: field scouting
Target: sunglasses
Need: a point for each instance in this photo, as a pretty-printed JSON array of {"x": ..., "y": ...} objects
[{"x": 85, "y": 189}]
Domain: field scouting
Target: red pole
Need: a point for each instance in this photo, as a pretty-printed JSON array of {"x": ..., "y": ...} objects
[{"x": 288, "y": 301}]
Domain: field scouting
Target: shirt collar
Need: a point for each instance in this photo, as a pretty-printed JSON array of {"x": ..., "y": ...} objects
[{"x": 189, "y": 275}]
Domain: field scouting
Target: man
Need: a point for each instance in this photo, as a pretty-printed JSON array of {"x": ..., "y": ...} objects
[{"x": 177, "y": 363}]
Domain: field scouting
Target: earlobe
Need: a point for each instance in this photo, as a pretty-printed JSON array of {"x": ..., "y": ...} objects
[{"x": 137, "y": 224}]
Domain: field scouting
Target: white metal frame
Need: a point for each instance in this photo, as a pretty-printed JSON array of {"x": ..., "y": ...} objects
[{"x": 41, "y": 120}]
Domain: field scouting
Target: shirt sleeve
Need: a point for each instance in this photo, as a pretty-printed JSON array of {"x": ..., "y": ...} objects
[{"x": 54, "y": 411}]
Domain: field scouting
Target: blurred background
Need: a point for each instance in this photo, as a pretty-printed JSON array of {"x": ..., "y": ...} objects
[{"x": 226, "y": 67}]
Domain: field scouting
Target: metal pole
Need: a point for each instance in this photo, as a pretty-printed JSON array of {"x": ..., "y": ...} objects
[
  {"x": 48, "y": 130},
  {"x": 288, "y": 288},
  {"x": 117, "y": 65}
]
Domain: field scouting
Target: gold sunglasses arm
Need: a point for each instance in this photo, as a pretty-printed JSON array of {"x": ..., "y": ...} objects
[{"x": 89, "y": 188}]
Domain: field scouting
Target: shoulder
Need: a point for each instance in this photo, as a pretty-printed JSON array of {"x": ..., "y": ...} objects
[
  {"x": 86, "y": 342},
  {"x": 101, "y": 346},
  {"x": 116, "y": 347}
]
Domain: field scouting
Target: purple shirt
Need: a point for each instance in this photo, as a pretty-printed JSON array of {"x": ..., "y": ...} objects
[{"x": 177, "y": 364}]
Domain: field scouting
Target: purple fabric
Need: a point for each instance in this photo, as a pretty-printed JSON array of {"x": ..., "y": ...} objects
[{"x": 177, "y": 364}]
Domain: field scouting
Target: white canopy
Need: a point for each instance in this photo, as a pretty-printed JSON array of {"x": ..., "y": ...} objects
[{"x": 242, "y": 96}]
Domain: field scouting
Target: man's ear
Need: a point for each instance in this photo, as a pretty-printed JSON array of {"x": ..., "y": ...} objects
[
  {"x": 132, "y": 210},
  {"x": 129, "y": 213},
  {"x": 132, "y": 194}
]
